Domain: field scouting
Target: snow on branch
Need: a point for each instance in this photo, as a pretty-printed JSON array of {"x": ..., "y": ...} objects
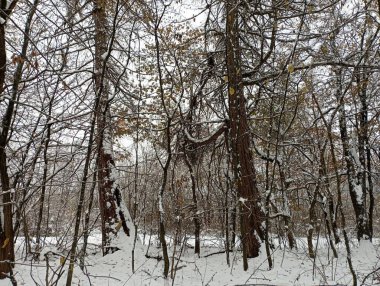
[
  {"x": 265, "y": 156},
  {"x": 212, "y": 137}
]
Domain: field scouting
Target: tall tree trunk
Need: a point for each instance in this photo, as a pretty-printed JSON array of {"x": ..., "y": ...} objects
[
  {"x": 161, "y": 199},
  {"x": 44, "y": 176},
  {"x": 6, "y": 226},
  {"x": 86, "y": 228},
  {"x": 7, "y": 255},
  {"x": 113, "y": 214},
  {"x": 191, "y": 158},
  {"x": 333, "y": 212},
  {"x": 364, "y": 151},
  {"x": 251, "y": 214},
  {"x": 357, "y": 193},
  {"x": 81, "y": 201},
  {"x": 197, "y": 224},
  {"x": 286, "y": 208}
]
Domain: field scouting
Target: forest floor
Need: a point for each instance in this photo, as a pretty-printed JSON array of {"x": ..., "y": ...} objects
[{"x": 291, "y": 267}]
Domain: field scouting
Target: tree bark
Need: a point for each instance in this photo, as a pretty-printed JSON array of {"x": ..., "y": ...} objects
[
  {"x": 110, "y": 201},
  {"x": 365, "y": 173},
  {"x": 357, "y": 194},
  {"x": 6, "y": 225},
  {"x": 251, "y": 214},
  {"x": 78, "y": 215},
  {"x": 7, "y": 255}
]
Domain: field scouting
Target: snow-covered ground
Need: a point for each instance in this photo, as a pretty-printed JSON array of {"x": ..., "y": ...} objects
[{"x": 291, "y": 267}]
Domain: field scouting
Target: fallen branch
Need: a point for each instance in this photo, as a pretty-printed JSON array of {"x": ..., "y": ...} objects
[
  {"x": 158, "y": 258},
  {"x": 110, "y": 277},
  {"x": 214, "y": 253}
]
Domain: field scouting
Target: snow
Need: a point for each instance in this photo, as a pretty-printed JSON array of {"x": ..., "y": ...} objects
[
  {"x": 359, "y": 193},
  {"x": 195, "y": 140},
  {"x": 11, "y": 191},
  {"x": 367, "y": 249},
  {"x": 160, "y": 205},
  {"x": 8, "y": 4},
  {"x": 291, "y": 267},
  {"x": 354, "y": 155},
  {"x": 103, "y": 56}
]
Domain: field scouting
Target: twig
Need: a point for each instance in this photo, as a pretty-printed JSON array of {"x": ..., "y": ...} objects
[
  {"x": 11, "y": 277},
  {"x": 369, "y": 274},
  {"x": 214, "y": 253},
  {"x": 158, "y": 257},
  {"x": 258, "y": 267},
  {"x": 102, "y": 276}
]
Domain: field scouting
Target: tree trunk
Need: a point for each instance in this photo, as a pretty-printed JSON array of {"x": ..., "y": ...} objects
[
  {"x": 364, "y": 151},
  {"x": 44, "y": 176},
  {"x": 357, "y": 194},
  {"x": 197, "y": 224},
  {"x": 7, "y": 255},
  {"x": 251, "y": 214},
  {"x": 161, "y": 199},
  {"x": 191, "y": 155},
  {"x": 110, "y": 202},
  {"x": 328, "y": 206},
  {"x": 6, "y": 227},
  {"x": 86, "y": 228},
  {"x": 78, "y": 215}
]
